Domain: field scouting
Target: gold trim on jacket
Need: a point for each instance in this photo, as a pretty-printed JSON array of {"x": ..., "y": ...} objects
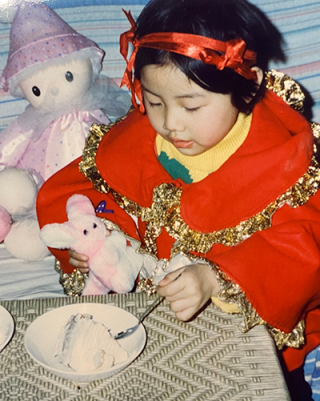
[{"x": 165, "y": 213}]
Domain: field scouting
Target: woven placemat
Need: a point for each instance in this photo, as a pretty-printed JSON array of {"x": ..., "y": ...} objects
[{"x": 206, "y": 359}]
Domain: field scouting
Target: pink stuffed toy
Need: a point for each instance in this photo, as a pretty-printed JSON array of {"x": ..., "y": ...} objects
[
  {"x": 114, "y": 265},
  {"x": 19, "y": 228},
  {"x": 5, "y": 223},
  {"x": 57, "y": 71}
]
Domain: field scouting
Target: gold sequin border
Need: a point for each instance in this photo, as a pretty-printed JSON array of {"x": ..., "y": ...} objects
[
  {"x": 165, "y": 212},
  {"x": 73, "y": 284},
  {"x": 165, "y": 209},
  {"x": 286, "y": 88},
  {"x": 231, "y": 293}
]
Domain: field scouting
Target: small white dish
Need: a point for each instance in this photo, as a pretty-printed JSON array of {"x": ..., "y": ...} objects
[
  {"x": 42, "y": 334},
  {"x": 6, "y": 327}
]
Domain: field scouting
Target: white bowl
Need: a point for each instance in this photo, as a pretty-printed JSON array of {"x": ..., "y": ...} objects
[
  {"x": 6, "y": 327},
  {"x": 42, "y": 334}
]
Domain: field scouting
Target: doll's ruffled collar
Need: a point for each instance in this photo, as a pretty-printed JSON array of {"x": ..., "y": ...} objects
[{"x": 104, "y": 94}]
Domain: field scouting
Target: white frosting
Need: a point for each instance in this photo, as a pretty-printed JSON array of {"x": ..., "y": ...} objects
[{"x": 86, "y": 346}]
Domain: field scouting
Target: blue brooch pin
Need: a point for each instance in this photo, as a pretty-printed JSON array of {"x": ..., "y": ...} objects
[{"x": 102, "y": 208}]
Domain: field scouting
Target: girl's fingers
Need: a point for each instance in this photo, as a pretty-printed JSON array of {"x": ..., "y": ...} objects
[
  {"x": 173, "y": 276},
  {"x": 79, "y": 261},
  {"x": 77, "y": 256}
]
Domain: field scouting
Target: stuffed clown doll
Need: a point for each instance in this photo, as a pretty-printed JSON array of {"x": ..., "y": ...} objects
[{"x": 57, "y": 71}]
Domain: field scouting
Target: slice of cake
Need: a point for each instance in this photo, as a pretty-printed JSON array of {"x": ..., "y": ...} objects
[{"x": 86, "y": 346}]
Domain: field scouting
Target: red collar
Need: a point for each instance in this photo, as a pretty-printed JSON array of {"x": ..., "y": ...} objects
[{"x": 274, "y": 156}]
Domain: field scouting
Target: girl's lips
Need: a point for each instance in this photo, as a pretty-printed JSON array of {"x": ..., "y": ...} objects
[{"x": 179, "y": 143}]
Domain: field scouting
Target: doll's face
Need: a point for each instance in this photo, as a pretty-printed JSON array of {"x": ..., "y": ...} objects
[{"x": 58, "y": 84}]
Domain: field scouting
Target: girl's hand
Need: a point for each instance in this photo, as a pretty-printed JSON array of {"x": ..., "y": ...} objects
[
  {"x": 79, "y": 261},
  {"x": 188, "y": 289}
]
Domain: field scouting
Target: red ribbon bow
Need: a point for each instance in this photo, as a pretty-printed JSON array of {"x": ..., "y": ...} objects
[
  {"x": 232, "y": 54},
  {"x": 132, "y": 84}
]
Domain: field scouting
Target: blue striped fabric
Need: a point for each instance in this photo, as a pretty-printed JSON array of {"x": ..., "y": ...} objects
[
  {"x": 79, "y": 3},
  {"x": 103, "y": 21},
  {"x": 312, "y": 372},
  {"x": 299, "y": 22}
]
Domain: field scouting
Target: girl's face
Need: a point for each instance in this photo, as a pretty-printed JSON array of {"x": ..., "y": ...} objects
[{"x": 190, "y": 117}]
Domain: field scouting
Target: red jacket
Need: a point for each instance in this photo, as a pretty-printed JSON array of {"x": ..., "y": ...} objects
[{"x": 278, "y": 268}]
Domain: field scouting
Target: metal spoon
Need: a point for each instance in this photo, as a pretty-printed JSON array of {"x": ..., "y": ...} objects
[{"x": 129, "y": 331}]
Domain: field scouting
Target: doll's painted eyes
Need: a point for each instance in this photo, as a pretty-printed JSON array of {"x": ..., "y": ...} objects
[
  {"x": 94, "y": 225},
  {"x": 85, "y": 232},
  {"x": 69, "y": 76},
  {"x": 36, "y": 91}
]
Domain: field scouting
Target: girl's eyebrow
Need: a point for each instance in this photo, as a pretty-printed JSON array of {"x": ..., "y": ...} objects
[
  {"x": 187, "y": 95},
  {"x": 148, "y": 90},
  {"x": 190, "y": 95}
]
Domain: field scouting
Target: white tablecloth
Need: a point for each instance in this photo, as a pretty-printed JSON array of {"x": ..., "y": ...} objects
[{"x": 25, "y": 280}]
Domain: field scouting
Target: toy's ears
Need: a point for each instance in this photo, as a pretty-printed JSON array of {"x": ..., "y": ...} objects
[
  {"x": 60, "y": 236},
  {"x": 78, "y": 205}
]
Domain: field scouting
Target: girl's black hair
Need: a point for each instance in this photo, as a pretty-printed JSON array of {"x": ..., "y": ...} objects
[{"x": 218, "y": 19}]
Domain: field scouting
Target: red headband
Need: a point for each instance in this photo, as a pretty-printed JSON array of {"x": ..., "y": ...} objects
[{"x": 233, "y": 53}]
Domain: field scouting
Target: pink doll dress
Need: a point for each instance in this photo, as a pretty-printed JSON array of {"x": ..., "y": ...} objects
[
  {"x": 47, "y": 140},
  {"x": 59, "y": 144}
]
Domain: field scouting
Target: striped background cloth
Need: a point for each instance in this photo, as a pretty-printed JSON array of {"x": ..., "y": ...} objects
[
  {"x": 103, "y": 21},
  {"x": 312, "y": 372}
]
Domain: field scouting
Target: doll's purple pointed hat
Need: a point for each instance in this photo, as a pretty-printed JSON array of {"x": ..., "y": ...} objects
[{"x": 38, "y": 35}]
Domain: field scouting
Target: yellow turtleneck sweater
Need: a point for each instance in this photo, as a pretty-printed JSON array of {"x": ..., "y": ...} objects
[{"x": 195, "y": 168}]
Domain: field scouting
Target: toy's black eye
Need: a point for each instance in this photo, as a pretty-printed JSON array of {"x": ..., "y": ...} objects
[
  {"x": 85, "y": 232},
  {"x": 36, "y": 91},
  {"x": 69, "y": 76},
  {"x": 94, "y": 225}
]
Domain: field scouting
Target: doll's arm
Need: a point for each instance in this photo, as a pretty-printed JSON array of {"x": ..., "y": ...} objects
[
  {"x": 13, "y": 144},
  {"x": 97, "y": 117}
]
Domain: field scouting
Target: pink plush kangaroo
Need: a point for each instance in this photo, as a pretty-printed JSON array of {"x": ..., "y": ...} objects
[{"x": 114, "y": 265}]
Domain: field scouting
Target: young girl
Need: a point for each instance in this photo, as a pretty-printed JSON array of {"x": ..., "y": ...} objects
[{"x": 212, "y": 165}]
